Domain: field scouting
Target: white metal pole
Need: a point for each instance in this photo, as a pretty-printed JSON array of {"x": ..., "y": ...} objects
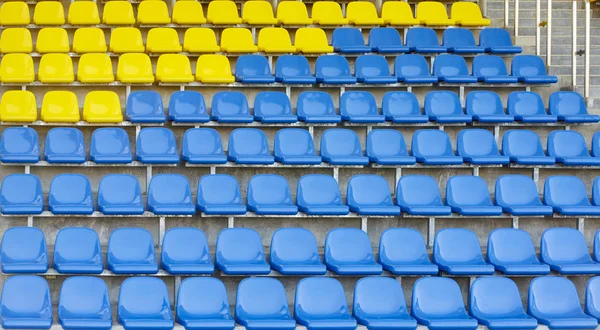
[
  {"x": 516, "y": 18},
  {"x": 586, "y": 92},
  {"x": 574, "y": 46},
  {"x": 538, "y": 13},
  {"x": 506, "y": 13},
  {"x": 549, "y": 35}
]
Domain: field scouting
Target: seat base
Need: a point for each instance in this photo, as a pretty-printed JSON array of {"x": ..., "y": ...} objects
[
  {"x": 207, "y": 324},
  {"x": 300, "y": 268},
  {"x": 228, "y": 209},
  {"x": 355, "y": 269},
  {"x": 411, "y": 269},
  {"x": 262, "y": 209},
  {"x": 78, "y": 267},
  {"x": 189, "y": 268},
  {"x": 524, "y": 269},
  {"x": 241, "y": 268},
  {"x": 494, "y": 118},
  {"x": 464, "y": 269},
  {"x": 324, "y": 209},
  {"x": 478, "y": 210}
]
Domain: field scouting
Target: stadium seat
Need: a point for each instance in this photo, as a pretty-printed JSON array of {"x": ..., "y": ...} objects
[
  {"x": 402, "y": 251},
  {"x": 25, "y": 303},
  {"x": 360, "y": 107},
  {"x": 84, "y": 302},
  {"x": 429, "y": 294},
  {"x": 17, "y": 68},
  {"x": 153, "y": 12},
  {"x": 497, "y": 41},
  {"x": 341, "y": 146},
  {"x": 21, "y": 194},
  {"x": 145, "y": 107},
  {"x": 219, "y": 194},
  {"x": 387, "y": 147},
  {"x": 309, "y": 40},
  {"x": 565, "y": 251},
  {"x": 294, "y": 252},
  {"x": 131, "y": 251},
  {"x": 102, "y": 107},
  {"x": 348, "y": 252},
  {"x": 295, "y": 146},
  {"x": 162, "y": 40},
  {"x": 120, "y": 194},
  {"x": 530, "y": 69},
  {"x": 293, "y": 69},
  {"x": 49, "y": 13},
  {"x": 333, "y": 69},
  {"x": 70, "y": 194},
  {"x": 413, "y": 69},
  {"x": 317, "y": 107},
  {"x": 402, "y": 107},
  {"x": 170, "y": 194},
  {"x": 270, "y": 194},
  {"x": 398, "y": 13},
  {"x": 275, "y": 40},
  {"x": 202, "y": 301},
  {"x": 293, "y": 13},
  {"x": 591, "y": 298},
  {"x": 570, "y": 148},
  {"x": 249, "y": 146},
  {"x": 56, "y": 68},
  {"x": 52, "y": 40},
  {"x": 328, "y": 13},
  {"x": 424, "y": 41},
  {"x": 126, "y": 40},
  {"x": 433, "y": 147},
  {"x": 202, "y": 146},
  {"x": 185, "y": 251},
  {"x": 24, "y": 250},
  {"x": 320, "y": 303},
  {"x": 460, "y": 41},
  {"x": 60, "y": 107},
  {"x": 89, "y": 40},
  {"x": 486, "y": 107},
  {"x": 456, "y": 250},
  {"x": 349, "y": 40},
  {"x": 369, "y": 194},
  {"x": 144, "y": 303},
  {"x": 524, "y": 147},
  {"x": 83, "y": 13},
  {"x": 420, "y": 195},
  {"x": 15, "y": 13},
  {"x": 433, "y": 13},
  {"x": 362, "y": 13},
  {"x": 15, "y": 40},
  {"x": 240, "y": 252},
  {"x": 95, "y": 68},
  {"x": 468, "y": 14},
  {"x": 238, "y": 40},
  {"x": 452, "y": 69},
  {"x": 570, "y": 107},
  {"x": 491, "y": 70},
  {"x": 156, "y": 145},
  {"x": 188, "y": 107},
  {"x": 258, "y": 13},
  {"x": 496, "y": 303},
  {"x": 118, "y": 13},
  {"x": 528, "y": 107},
  {"x": 468, "y": 195},
  {"x": 273, "y": 107},
  {"x": 319, "y": 194},
  {"x": 518, "y": 195},
  {"x": 230, "y": 107},
  {"x": 20, "y": 145},
  {"x": 199, "y": 40},
  {"x": 373, "y": 69},
  {"x": 511, "y": 251},
  {"x": 188, "y": 13},
  {"x": 255, "y": 316},
  {"x": 110, "y": 146},
  {"x": 223, "y": 13},
  {"x": 64, "y": 145},
  {"x": 214, "y": 69},
  {"x": 174, "y": 68},
  {"x": 134, "y": 68},
  {"x": 478, "y": 147},
  {"x": 386, "y": 40},
  {"x": 253, "y": 69},
  {"x": 567, "y": 196}
]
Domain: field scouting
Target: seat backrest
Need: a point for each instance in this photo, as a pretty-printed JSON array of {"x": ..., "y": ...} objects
[
  {"x": 527, "y": 66},
  {"x": 318, "y": 189},
  {"x": 130, "y": 245},
  {"x": 26, "y": 297},
  {"x": 156, "y": 141},
  {"x": 522, "y": 143},
  {"x": 553, "y": 296},
  {"x": 248, "y": 142},
  {"x": 213, "y": 65},
  {"x": 317, "y": 297},
  {"x": 292, "y": 66},
  {"x": 64, "y": 141},
  {"x": 368, "y": 189},
  {"x": 332, "y": 66},
  {"x": 236, "y": 37},
  {"x": 23, "y": 245},
  {"x": 292, "y": 11},
  {"x": 427, "y": 142},
  {"x": 456, "y": 245},
  {"x": 70, "y": 189},
  {"x": 369, "y": 292},
  {"x": 371, "y": 66},
  {"x": 75, "y": 246},
  {"x": 418, "y": 190},
  {"x": 495, "y": 297},
  {"x": 327, "y": 10},
  {"x": 563, "y": 245},
  {"x": 596, "y": 201},
  {"x": 510, "y": 246},
  {"x": 314, "y": 104},
  {"x": 450, "y": 65},
  {"x": 567, "y": 144},
  {"x": 525, "y": 104},
  {"x": 493, "y": 37},
  {"x": 222, "y": 12},
  {"x": 384, "y": 36},
  {"x": 144, "y": 298},
  {"x": 144, "y": 103},
  {"x": 185, "y": 245},
  {"x": 293, "y": 142},
  {"x": 309, "y": 37},
  {"x": 229, "y": 104},
  {"x": 402, "y": 245},
  {"x": 421, "y": 36},
  {"x": 340, "y": 142},
  {"x": 269, "y": 189},
  {"x": 396, "y": 10},
  {"x": 252, "y": 65},
  {"x": 123, "y": 189},
  {"x": 118, "y": 13},
  {"x": 458, "y": 37},
  {"x": 358, "y": 104},
  {"x": 268, "y": 290},
  {"x": 476, "y": 142},
  {"x": 563, "y": 190},
  {"x": 218, "y": 189},
  {"x": 399, "y": 103},
  {"x": 491, "y": 65},
  {"x": 564, "y": 103},
  {"x": 84, "y": 296},
  {"x": 465, "y": 10},
  {"x": 592, "y": 298},
  {"x": 347, "y": 36},
  {"x": 348, "y": 245},
  {"x": 169, "y": 189},
  {"x": 516, "y": 190},
  {"x": 257, "y": 10},
  {"x": 427, "y": 10},
  {"x": 239, "y": 244},
  {"x": 18, "y": 105},
  {"x": 202, "y": 298},
  {"x": 483, "y": 103},
  {"x": 386, "y": 142},
  {"x": 596, "y": 144},
  {"x": 442, "y": 103},
  {"x": 272, "y": 104},
  {"x": 17, "y": 141},
  {"x": 293, "y": 244},
  {"x": 437, "y": 298},
  {"x": 187, "y": 103},
  {"x": 467, "y": 190},
  {"x": 274, "y": 37},
  {"x": 19, "y": 189},
  {"x": 409, "y": 65}
]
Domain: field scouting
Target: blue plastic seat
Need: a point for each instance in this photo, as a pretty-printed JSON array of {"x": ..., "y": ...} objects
[
  {"x": 230, "y": 107},
  {"x": 253, "y": 69},
  {"x": 84, "y": 303},
  {"x": 348, "y": 252},
  {"x": 272, "y": 315},
  {"x": 570, "y": 148},
  {"x": 319, "y": 194},
  {"x": 156, "y": 145},
  {"x": 570, "y": 107},
  {"x": 437, "y": 303},
  {"x": 320, "y": 303},
  {"x": 565, "y": 251},
  {"x": 23, "y": 250},
  {"x": 491, "y": 70},
  {"x": 596, "y": 145},
  {"x": 369, "y": 194},
  {"x": 567, "y": 196},
  {"x": 368, "y": 310},
  {"x": 496, "y": 303},
  {"x": 452, "y": 69},
  {"x": 444, "y": 107},
  {"x": 77, "y": 251},
  {"x": 64, "y": 145},
  {"x": 360, "y": 107},
  {"x": 596, "y": 198},
  {"x": 70, "y": 194},
  {"x": 316, "y": 107},
  {"x": 293, "y": 69},
  {"x": 511, "y": 251},
  {"x": 170, "y": 194},
  {"x": 25, "y": 303},
  {"x": 120, "y": 194},
  {"x": 420, "y": 195},
  {"x": 202, "y": 146},
  {"x": 144, "y": 304},
  {"x": 554, "y": 302},
  {"x": 333, "y": 69},
  {"x": 424, "y": 40},
  {"x": 349, "y": 40},
  {"x": 249, "y": 146},
  {"x": 525, "y": 147},
  {"x": 185, "y": 251},
  {"x": 145, "y": 107},
  {"x": 456, "y": 251},
  {"x": 468, "y": 195},
  {"x": 402, "y": 251},
  {"x": 19, "y": 145},
  {"x": 341, "y": 146},
  {"x": 240, "y": 252},
  {"x": 131, "y": 251},
  {"x": 387, "y": 147},
  {"x": 188, "y": 107},
  {"x": 413, "y": 69},
  {"x": 486, "y": 107},
  {"x": 273, "y": 107},
  {"x": 202, "y": 302},
  {"x": 110, "y": 145},
  {"x": 517, "y": 194},
  {"x": 530, "y": 69},
  {"x": 478, "y": 147},
  {"x": 270, "y": 194},
  {"x": 294, "y": 252},
  {"x": 295, "y": 146},
  {"x": 433, "y": 147},
  {"x": 497, "y": 41},
  {"x": 373, "y": 69},
  {"x": 386, "y": 40},
  {"x": 528, "y": 107},
  {"x": 592, "y": 304},
  {"x": 460, "y": 41},
  {"x": 219, "y": 194},
  {"x": 402, "y": 107},
  {"x": 21, "y": 194}
]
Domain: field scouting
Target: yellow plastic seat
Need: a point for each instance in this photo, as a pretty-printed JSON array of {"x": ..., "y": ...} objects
[
  {"x": 467, "y": 14},
  {"x": 433, "y": 13},
  {"x": 398, "y": 13},
  {"x": 174, "y": 68},
  {"x": 52, "y": 40},
  {"x": 14, "y": 13},
  {"x": 60, "y": 107},
  {"x": 293, "y": 13},
  {"x": 126, "y": 40},
  {"x": 16, "y": 68},
  {"x": 188, "y": 13},
  {"x": 83, "y": 13},
  {"x": 153, "y": 12},
  {"x": 214, "y": 69},
  {"x": 102, "y": 107},
  {"x": 16, "y": 40},
  {"x": 237, "y": 40},
  {"x": 135, "y": 68},
  {"x": 223, "y": 13},
  {"x": 163, "y": 40},
  {"x": 275, "y": 40},
  {"x": 56, "y": 68},
  {"x": 311, "y": 41},
  {"x": 258, "y": 12},
  {"x": 95, "y": 68},
  {"x": 89, "y": 40},
  {"x": 18, "y": 106},
  {"x": 200, "y": 40},
  {"x": 118, "y": 13},
  {"x": 49, "y": 13},
  {"x": 362, "y": 13},
  {"x": 328, "y": 13}
]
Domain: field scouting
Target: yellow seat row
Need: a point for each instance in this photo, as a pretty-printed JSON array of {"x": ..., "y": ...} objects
[{"x": 61, "y": 107}]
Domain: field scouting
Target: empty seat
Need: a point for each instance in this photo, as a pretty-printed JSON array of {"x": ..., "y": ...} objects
[
  {"x": 468, "y": 195},
  {"x": 16, "y": 68},
  {"x": 293, "y": 13},
  {"x": 83, "y": 13},
  {"x": 253, "y": 69},
  {"x": 567, "y": 196},
  {"x": 49, "y": 13},
  {"x": 94, "y": 314},
  {"x": 386, "y": 40},
  {"x": 77, "y": 251},
  {"x": 398, "y": 13},
  {"x": 249, "y": 146},
  {"x": 56, "y": 68},
  {"x": 64, "y": 145},
  {"x": 468, "y": 14},
  {"x": 369, "y": 194},
  {"x": 143, "y": 303},
  {"x": 452, "y": 69},
  {"x": 89, "y": 40},
  {"x": 70, "y": 194},
  {"x": 258, "y": 13},
  {"x": 433, "y": 147},
  {"x": 95, "y": 68},
  {"x": 21, "y": 194},
  {"x": 387, "y": 147},
  {"x": 478, "y": 147},
  {"x": 255, "y": 316},
  {"x": 491, "y": 70},
  {"x": 188, "y": 107},
  {"x": 312, "y": 41},
  {"x": 319, "y": 194},
  {"x": 570, "y": 148},
  {"x": 349, "y": 40},
  {"x": 202, "y": 146},
  {"x": 120, "y": 194},
  {"x": 348, "y": 252},
  {"x": 174, "y": 68},
  {"x": 570, "y": 107},
  {"x": 102, "y": 107},
  {"x": 230, "y": 107},
  {"x": 445, "y": 107},
  {"x": 135, "y": 68},
  {"x": 131, "y": 251},
  {"x": 185, "y": 251},
  {"x": 26, "y": 303},
  {"x": 23, "y": 250},
  {"x": 530, "y": 69},
  {"x": 316, "y": 107},
  {"x": 497, "y": 41},
  {"x": 413, "y": 69},
  {"x": 170, "y": 194},
  {"x": 110, "y": 146},
  {"x": 20, "y": 145},
  {"x": 126, "y": 40},
  {"x": 320, "y": 302},
  {"x": 16, "y": 40},
  {"x": 118, "y": 13},
  {"x": 293, "y": 69},
  {"x": 270, "y": 194},
  {"x": 294, "y": 252},
  {"x": 333, "y": 69},
  {"x": 273, "y": 107},
  {"x": 14, "y": 13},
  {"x": 145, "y": 107},
  {"x": 433, "y": 13},
  {"x": 163, "y": 40},
  {"x": 457, "y": 252},
  {"x": 525, "y": 147},
  {"x": 591, "y": 298},
  {"x": 460, "y": 41},
  {"x": 238, "y": 40},
  {"x": 199, "y": 40},
  {"x": 360, "y": 107},
  {"x": 511, "y": 251},
  {"x": 518, "y": 195},
  {"x": 240, "y": 252},
  {"x": 275, "y": 40},
  {"x": 60, "y": 107},
  {"x": 565, "y": 251},
  {"x": 402, "y": 251},
  {"x": 295, "y": 146},
  {"x": 219, "y": 194},
  {"x": 420, "y": 195},
  {"x": 341, "y": 146},
  {"x": 153, "y": 13},
  {"x": 402, "y": 107},
  {"x": 202, "y": 301},
  {"x": 156, "y": 145},
  {"x": 424, "y": 41},
  {"x": 486, "y": 107},
  {"x": 362, "y": 13},
  {"x": 188, "y": 13},
  {"x": 328, "y": 13},
  {"x": 214, "y": 69},
  {"x": 223, "y": 13},
  {"x": 373, "y": 69},
  {"x": 52, "y": 40}
]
